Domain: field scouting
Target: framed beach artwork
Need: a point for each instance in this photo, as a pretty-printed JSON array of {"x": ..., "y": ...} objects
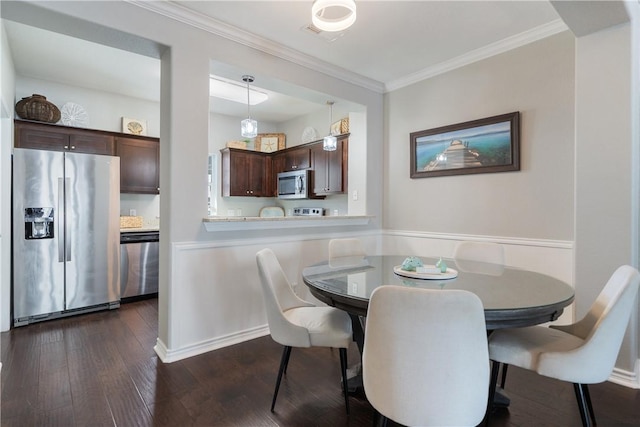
[{"x": 486, "y": 145}]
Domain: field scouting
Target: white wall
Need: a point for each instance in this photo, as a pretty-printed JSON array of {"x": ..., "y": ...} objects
[
  {"x": 606, "y": 131},
  {"x": 537, "y": 201},
  {"x": 320, "y": 121},
  {"x": 105, "y": 110},
  {"x": 145, "y": 205},
  {"x": 7, "y": 83}
]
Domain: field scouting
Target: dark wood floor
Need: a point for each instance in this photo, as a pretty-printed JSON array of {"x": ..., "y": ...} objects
[{"x": 100, "y": 370}]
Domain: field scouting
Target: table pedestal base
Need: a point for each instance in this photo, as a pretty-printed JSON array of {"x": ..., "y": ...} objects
[{"x": 501, "y": 399}]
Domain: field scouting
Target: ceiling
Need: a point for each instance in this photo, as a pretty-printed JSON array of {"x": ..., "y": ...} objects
[{"x": 391, "y": 44}]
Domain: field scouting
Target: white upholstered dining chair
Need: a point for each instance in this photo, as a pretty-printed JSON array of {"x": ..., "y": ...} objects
[
  {"x": 294, "y": 322},
  {"x": 425, "y": 359},
  {"x": 581, "y": 353}
]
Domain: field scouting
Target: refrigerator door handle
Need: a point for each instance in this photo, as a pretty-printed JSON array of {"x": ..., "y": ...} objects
[
  {"x": 61, "y": 222},
  {"x": 67, "y": 205}
]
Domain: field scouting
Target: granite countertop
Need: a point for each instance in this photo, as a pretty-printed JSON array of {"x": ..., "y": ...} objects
[
  {"x": 279, "y": 218},
  {"x": 237, "y": 223},
  {"x": 139, "y": 229}
]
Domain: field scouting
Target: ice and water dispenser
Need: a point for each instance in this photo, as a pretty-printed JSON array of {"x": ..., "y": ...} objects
[{"x": 38, "y": 223}]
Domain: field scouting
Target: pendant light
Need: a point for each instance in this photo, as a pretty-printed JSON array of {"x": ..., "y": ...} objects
[
  {"x": 323, "y": 12},
  {"x": 330, "y": 142},
  {"x": 248, "y": 127}
]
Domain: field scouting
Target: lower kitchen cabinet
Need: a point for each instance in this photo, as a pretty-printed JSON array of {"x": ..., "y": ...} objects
[{"x": 139, "y": 164}]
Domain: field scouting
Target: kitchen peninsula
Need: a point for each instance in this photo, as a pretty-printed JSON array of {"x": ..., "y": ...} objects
[{"x": 233, "y": 223}]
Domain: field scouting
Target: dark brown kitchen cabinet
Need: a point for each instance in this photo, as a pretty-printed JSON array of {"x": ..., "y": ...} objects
[
  {"x": 296, "y": 158},
  {"x": 246, "y": 173},
  {"x": 139, "y": 164},
  {"x": 43, "y": 136},
  {"x": 329, "y": 168}
]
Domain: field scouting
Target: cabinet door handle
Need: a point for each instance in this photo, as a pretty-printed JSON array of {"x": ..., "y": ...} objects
[
  {"x": 66, "y": 147},
  {"x": 73, "y": 147}
]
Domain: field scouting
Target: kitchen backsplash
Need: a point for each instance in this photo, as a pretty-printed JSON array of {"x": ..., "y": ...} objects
[{"x": 145, "y": 205}]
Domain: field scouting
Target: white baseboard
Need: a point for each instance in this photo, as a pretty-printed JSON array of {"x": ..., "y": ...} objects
[
  {"x": 627, "y": 378},
  {"x": 173, "y": 355}
]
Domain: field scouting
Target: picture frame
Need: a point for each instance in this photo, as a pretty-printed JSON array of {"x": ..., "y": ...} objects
[
  {"x": 270, "y": 142},
  {"x": 134, "y": 126},
  {"x": 485, "y": 145}
]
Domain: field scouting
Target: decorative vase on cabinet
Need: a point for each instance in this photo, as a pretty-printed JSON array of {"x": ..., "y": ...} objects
[{"x": 36, "y": 107}]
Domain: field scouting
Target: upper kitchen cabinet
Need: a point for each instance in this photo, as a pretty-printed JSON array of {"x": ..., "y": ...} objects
[
  {"x": 296, "y": 158},
  {"x": 139, "y": 164},
  {"x": 245, "y": 173},
  {"x": 329, "y": 168},
  {"x": 42, "y": 136}
]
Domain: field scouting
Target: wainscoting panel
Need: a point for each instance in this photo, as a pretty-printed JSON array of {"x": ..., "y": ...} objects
[
  {"x": 215, "y": 298},
  {"x": 551, "y": 257}
]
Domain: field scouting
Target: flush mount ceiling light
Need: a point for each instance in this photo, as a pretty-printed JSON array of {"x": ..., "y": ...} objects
[
  {"x": 330, "y": 142},
  {"x": 248, "y": 127},
  {"x": 232, "y": 91},
  {"x": 333, "y": 15}
]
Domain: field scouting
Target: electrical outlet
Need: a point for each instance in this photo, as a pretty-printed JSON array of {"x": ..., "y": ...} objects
[
  {"x": 132, "y": 212},
  {"x": 355, "y": 195}
]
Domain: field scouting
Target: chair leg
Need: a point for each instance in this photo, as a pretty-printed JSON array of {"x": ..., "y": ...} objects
[
  {"x": 585, "y": 390},
  {"x": 284, "y": 361},
  {"x": 584, "y": 404},
  {"x": 503, "y": 380},
  {"x": 379, "y": 420},
  {"x": 343, "y": 368},
  {"x": 495, "y": 367}
]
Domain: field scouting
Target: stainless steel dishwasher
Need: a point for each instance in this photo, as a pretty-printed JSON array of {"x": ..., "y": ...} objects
[{"x": 138, "y": 264}]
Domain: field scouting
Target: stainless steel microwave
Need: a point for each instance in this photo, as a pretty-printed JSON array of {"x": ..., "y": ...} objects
[{"x": 294, "y": 184}]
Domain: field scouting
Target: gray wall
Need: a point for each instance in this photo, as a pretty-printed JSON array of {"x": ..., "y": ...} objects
[{"x": 536, "y": 202}]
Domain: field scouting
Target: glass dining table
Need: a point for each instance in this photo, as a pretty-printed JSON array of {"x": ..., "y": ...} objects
[{"x": 511, "y": 297}]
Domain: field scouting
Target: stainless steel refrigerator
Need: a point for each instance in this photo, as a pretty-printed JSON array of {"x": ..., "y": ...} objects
[{"x": 66, "y": 234}]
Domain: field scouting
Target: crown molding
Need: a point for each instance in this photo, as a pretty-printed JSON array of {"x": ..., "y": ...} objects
[
  {"x": 175, "y": 11},
  {"x": 518, "y": 40}
]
